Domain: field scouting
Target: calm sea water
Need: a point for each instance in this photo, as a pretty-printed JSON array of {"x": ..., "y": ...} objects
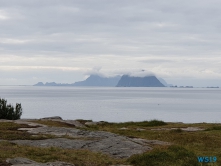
[{"x": 117, "y": 104}]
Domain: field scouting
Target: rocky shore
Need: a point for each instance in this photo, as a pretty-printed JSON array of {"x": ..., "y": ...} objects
[
  {"x": 77, "y": 137},
  {"x": 114, "y": 140}
]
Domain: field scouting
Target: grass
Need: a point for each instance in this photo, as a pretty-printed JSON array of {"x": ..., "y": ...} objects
[
  {"x": 172, "y": 156},
  {"x": 54, "y": 123},
  {"x": 9, "y": 131},
  {"x": 200, "y": 143},
  {"x": 214, "y": 128},
  {"x": 185, "y": 148},
  {"x": 77, "y": 157}
]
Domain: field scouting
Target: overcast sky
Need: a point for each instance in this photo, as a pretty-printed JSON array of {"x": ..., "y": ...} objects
[{"x": 65, "y": 40}]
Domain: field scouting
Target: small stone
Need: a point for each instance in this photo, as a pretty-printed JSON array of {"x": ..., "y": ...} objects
[
  {"x": 25, "y": 129},
  {"x": 29, "y": 123},
  {"x": 138, "y": 129},
  {"x": 53, "y": 117},
  {"x": 192, "y": 129},
  {"x": 19, "y": 160},
  {"x": 123, "y": 128}
]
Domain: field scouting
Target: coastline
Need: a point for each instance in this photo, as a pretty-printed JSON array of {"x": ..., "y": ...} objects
[{"x": 110, "y": 140}]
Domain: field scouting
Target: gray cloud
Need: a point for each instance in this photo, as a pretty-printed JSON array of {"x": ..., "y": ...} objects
[
  {"x": 173, "y": 38},
  {"x": 157, "y": 61}
]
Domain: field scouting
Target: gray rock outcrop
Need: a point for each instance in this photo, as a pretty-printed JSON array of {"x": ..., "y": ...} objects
[
  {"x": 52, "y": 117},
  {"x": 74, "y": 138},
  {"x": 98, "y": 141}
]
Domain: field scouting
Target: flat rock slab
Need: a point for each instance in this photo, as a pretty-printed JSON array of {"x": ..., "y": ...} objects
[
  {"x": 72, "y": 132},
  {"x": 150, "y": 142},
  {"x": 52, "y": 117},
  {"x": 26, "y": 162},
  {"x": 22, "y": 121},
  {"x": 70, "y": 122},
  {"x": 5, "y": 120},
  {"x": 116, "y": 147},
  {"x": 93, "y": 123},
  {"x": 98, "y": 141},
  {"x": 29, "y": 123},
  {"x": 192, "y": 129}
]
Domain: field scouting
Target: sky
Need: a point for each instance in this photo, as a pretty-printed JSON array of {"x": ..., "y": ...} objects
[{"x": 66, "y": 40}]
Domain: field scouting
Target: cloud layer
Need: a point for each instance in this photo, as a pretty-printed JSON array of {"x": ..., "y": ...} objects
[{"x": 177, "y": 40}]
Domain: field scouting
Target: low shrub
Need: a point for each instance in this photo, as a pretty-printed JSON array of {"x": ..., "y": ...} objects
[
  {"x": 7, "y": 111},
  {"x": 176, "y": 130},
  {"x": 173, "y": 156},
  {"x": 156, "y": 122},
  {"x": 214, "y": 128}
]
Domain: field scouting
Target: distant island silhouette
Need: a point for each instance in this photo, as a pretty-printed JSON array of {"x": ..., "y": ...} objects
[
  {"x": 117, "y": 81},
  {"x": 132, "y": 81}
]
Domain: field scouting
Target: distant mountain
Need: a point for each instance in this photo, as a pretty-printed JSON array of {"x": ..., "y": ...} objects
[
  {"x": 51, "y": 84},
  {"x": 130, "y": 81},
  {"x": 95, "y": 80},
  {"x": 39, "y": 84}
]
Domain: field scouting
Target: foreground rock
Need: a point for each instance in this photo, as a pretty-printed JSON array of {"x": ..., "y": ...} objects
[
  {"x": 99, "y": 141},
  {"x": 70, "y": 122},
  {"x": 31, "y": 122},
  {"x": 74, "y": 138},
  {"x": 26, "y": 162}
]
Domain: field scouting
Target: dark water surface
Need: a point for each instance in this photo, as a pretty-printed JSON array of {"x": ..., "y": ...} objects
[{"x": 115, "y": 104}]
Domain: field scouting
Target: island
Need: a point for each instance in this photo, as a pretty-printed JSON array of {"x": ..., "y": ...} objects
[
  {"x": 132, "y": 81},
  {"x": 116, "y": 81}
]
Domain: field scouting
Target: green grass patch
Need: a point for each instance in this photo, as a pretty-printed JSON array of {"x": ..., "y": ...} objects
[
  {"x": 155, "y": 122},
  {"x": 52, "y": 123},
  {"x": 186, "y": 146},
  {"x": 112, "y": 127},
  {"x": 214, "y": 128},
  {"x": 150, "y": 123},
  {"x": 51, "y": 154},
  {"x": 176, "y": 130},
  {"x": 9, "y": 131},
  {"x": 12, "y": 126},
  {"x": 172, "y": 156},
  {"x": 200, "y": 143}
]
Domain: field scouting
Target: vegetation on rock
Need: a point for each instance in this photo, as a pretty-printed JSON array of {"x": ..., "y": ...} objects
[
  {"x": 184, "y": 149},
  {"x": 173, "y": 155}
]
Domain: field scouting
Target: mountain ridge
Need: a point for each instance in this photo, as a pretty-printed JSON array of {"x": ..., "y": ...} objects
[
  {"x": 132, "y": 81},
  {"x": 117, "y": 81}
]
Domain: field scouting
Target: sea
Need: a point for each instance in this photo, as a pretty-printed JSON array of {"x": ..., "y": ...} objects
[{"x": 117, "y": 104}]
